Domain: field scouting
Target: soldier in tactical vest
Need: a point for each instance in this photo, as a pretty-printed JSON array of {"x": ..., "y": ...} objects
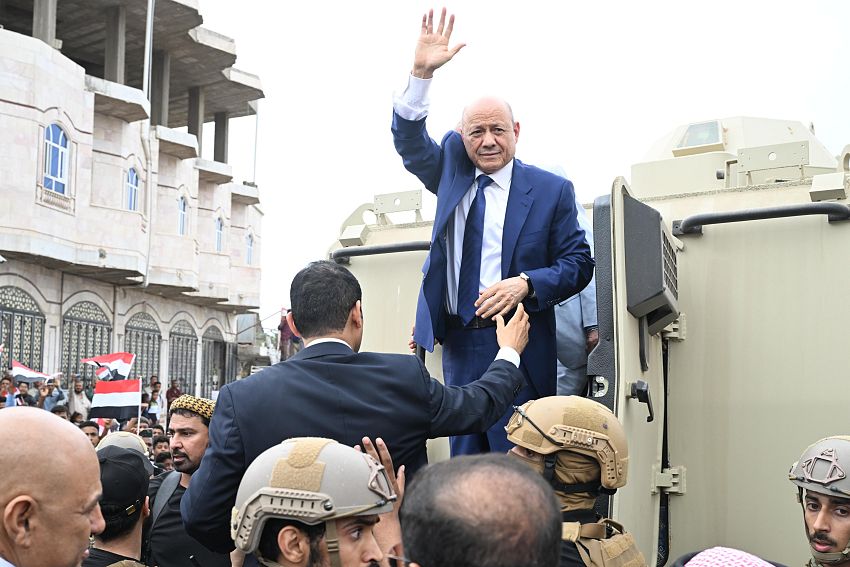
[
  {"x": 580, "y": 448},
  {"x": 823, "y": 491},
  {"x": 311, "y": 501}
]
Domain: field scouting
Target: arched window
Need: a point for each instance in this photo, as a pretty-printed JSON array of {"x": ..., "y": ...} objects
[
  {"x": 182, "y": 355},
  {"x": 21, "y": 328},
  {"x": 132, "y": 190},
  {"x": 181, "y": 216},
  {"x": 55, "y": 159},
  {"x": 249, "y": 249},
  {"x": 86, "y": 332},
  {"x": 219, "y": 234},
  {"x": 142, "y": 338}
]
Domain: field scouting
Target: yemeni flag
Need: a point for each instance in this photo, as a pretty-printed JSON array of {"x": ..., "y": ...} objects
[
  {"x": 118, "y": 399},
  {"x": 115, "y": 366},
  {"x": 28, "y": 375}
]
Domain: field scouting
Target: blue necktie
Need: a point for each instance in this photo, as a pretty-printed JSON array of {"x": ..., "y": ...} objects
[{"x": 470, "y": 260}]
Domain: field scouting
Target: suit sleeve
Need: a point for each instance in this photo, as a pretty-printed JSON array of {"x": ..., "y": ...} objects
[
  {"x": 207, "y": 503},
  {"x": 421, "y": 155},
  {"x": 473, "y": 408},
  {"x": 571, "y": 263}
]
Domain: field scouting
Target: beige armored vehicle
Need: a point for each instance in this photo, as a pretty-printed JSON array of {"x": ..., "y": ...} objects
[{"x": 721, "y": 273}]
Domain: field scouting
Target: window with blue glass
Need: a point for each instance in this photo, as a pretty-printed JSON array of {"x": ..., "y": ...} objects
[
  {"x": 249, "y": 249},
  {"x": 132, "y": 190},
  {"x": 219, "y": 234},
  {"x": 181, "y": 216},
  {"x": 55, "y": 159}
]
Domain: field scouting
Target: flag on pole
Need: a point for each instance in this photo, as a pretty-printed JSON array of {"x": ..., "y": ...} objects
[
  {"x": 117, "y": 365},
  {"x": 28, "y": 375},
  {"x": 118, "y": 399}
]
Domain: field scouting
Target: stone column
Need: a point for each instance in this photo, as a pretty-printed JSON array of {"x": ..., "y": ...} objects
[
  {"x": 44, "y": 21},
  {"x": 160, "y": 87},
  {"x": 221, "y": 136},
  {"x": 196, "y": 114},
  {"x": 116, "y": 25},
  {"x": 199, "y": 367}
]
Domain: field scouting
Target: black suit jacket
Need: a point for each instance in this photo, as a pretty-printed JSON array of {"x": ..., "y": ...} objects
[{"x": 327, "y": 390}]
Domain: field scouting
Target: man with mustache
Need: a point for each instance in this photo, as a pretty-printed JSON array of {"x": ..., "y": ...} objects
[
  {"x": 168, "y": 544},
  {"x": 823, "y": 491}
]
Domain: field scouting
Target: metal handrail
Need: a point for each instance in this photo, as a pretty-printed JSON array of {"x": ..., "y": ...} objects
[
  {"x": 693, "y": 224},
  {"x": 343, "y": 254}
]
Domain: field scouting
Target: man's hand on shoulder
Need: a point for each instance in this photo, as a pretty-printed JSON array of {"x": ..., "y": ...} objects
[
  {"x": 501, "y": 298},
  {"x": 515, "y": 333},
  {"x": 432, "y": 49}
]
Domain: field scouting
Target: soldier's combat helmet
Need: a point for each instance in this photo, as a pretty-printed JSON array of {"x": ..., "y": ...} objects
[
  {"x": 309, "y": 480},
  {"x": 823, "y": 468},
  {"x": 577, "y": 425}
]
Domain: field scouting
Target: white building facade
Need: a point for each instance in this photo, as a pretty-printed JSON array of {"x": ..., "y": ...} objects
[{"x": 116, "y": 234}]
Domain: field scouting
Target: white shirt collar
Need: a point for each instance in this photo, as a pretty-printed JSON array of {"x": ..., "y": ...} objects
[
  {"x": 502, "y": 177},
  {"x": 4, "y": 563},
  {"x": 318, "y": 342}
]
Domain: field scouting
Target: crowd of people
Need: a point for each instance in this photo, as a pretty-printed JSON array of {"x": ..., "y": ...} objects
[{"x": 320, "y": 460}]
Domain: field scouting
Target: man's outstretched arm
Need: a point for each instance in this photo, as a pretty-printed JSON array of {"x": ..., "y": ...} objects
[{"x": 207, "y": 503}]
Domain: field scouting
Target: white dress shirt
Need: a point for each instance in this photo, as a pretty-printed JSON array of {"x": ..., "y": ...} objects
[{"x": 412, "y": 104}]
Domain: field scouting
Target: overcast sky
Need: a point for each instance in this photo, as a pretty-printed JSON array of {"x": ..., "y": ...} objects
[{"x": 593, "y": 85}]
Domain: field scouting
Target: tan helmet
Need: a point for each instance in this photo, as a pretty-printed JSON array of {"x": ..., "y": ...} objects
[
  {"x": 309, "y": 480},
  {"x": 823, "y": 468},
  {"x": 127, "y": 440},
  {"x": 576, "y": 424}
]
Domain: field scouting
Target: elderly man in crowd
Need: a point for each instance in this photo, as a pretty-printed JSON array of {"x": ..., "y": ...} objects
[
  {"x": 45, "y": 523},
  {"x": 481, "y": 511},
  {"x": 78, "y": 401}
]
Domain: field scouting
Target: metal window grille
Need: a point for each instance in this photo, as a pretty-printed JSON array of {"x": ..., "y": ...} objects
[
  {"x": 86, "y": 332},
  {"x": 132, "y": 190},
  {"x": 21, "y": 329},
  {"x": 182, "y": 355},
  {"x": 55, "y": 159},
  {"x": 181, "y": 216},
  {"x": 249, "y": 249},
  {"x": 219, "y": 234},
  {"x": 213, "y": 362},
  {"x": 142, "y": 338}
]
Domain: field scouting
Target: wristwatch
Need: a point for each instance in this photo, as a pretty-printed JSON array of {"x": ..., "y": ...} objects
[{"x": 527, "y": 280}]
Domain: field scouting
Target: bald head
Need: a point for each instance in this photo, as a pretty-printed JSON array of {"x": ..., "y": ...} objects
[
  {"x": 49, "y": 511},
  {"x": 489, "y": 133},
  {"x": 483, "y": 511}
]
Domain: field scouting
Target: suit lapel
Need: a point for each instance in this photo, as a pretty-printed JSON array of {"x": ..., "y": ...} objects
[
  {"x": 519, "y": 205},
  {"x": 462, "y": 181}
]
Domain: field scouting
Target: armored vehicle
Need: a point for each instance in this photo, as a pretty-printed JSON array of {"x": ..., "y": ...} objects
[{"x": 720, "y": 288}]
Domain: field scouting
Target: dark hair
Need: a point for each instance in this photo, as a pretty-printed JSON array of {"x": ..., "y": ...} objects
[
  {"x": 158, "y": 426},
  {"x": 58, "y": 408},
  {"x": 118, "y": 522},
  {"x": 162, "y": 457},
  {"x": 188, "y": 413},
  {"x": 89, "y": 424},
  {"x": 268, "y": 548},
  {"x": 481, "y": 511},
  {"x": 159, "y": 439},
  {"x": 322, "y": 296}
]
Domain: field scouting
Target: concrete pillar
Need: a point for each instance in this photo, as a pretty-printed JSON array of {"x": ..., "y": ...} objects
[
  {"x": 199, "y": 367},
  {"x": 196, "y": 114},
  {"x": 160, "y": 87},
  {"x": 116, "y": 26},
  {"x": 44, "y": 21},
  {"x": 221, "y": 127}
]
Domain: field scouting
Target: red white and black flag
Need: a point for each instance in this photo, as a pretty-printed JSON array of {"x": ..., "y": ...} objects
[
  {"x": 28, "y": 375},
  {"x": 118, "y": 399},
  {"x": 115, "y": 366}
]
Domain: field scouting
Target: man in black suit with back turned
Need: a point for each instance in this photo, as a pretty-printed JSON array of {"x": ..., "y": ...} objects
[{"x": 329, "y": 389}]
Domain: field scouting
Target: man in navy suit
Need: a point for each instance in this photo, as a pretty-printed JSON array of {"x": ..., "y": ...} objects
[
  {"x": 329, "y": 389},
  {"x": 505, "y": 234}
]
